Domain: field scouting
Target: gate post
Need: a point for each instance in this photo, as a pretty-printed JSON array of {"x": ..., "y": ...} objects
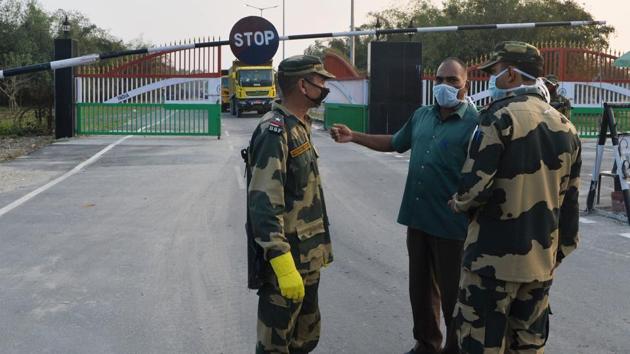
[
  {"x": 64, "y": 90},
  {"x": 395, "y": 84}
]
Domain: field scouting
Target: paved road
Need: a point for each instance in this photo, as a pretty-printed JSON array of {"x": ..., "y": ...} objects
[{"x": 142, "y": 251}]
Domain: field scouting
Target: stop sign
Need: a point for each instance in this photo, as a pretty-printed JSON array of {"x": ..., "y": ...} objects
[{"x": 254, "y": 40}]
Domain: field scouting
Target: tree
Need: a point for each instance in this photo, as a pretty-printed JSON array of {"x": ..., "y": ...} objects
[
  {"x": 27, "y": 33},
  {"x": 470, "y": 45}
]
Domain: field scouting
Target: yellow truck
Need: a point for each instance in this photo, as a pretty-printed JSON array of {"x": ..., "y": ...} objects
[{"x": 251, "y": 88}]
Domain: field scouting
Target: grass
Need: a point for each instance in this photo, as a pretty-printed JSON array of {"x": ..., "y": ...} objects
[{"x": 30, "y": 124}]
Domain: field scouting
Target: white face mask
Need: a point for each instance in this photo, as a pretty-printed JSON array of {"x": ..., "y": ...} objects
[
  {"x": 499, "y": 93},
  {"x": 446, "y": 95}
]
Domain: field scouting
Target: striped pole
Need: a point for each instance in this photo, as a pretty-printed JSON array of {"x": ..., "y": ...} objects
[{"x": 92, "y": 58}]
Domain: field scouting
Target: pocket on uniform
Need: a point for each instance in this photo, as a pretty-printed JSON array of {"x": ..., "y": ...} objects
[
  {"x": 308, "y": 230},
  {"x": 540, "y": 327}
]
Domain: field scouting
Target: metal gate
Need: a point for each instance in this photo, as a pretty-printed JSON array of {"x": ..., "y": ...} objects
[{"x": 168, "y": 93}]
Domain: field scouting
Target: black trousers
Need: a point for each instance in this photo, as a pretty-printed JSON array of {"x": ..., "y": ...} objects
[{"x": 434, "y": 269}]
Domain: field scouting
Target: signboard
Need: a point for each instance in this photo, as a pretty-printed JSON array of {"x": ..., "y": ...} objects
[{"x": 254, "y": 40}]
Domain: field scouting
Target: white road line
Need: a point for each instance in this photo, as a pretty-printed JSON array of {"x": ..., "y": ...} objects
[
  {"x": 227, "y": 133},
  {"x": 587, "y": 221},
  {"x": 612, "y": 253},
  {"x": 150, "y": 125},
  {"x": 61, "y": 178},
  {"x": 626, "y": 235},
  {"x": 239, "y": 178},
  {"x": 400, "y": 156}
]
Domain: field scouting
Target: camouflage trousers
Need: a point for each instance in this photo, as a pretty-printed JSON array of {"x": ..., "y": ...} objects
[
  {"x": 495, "y": 316},
  {"x": 285, "y": 326}
]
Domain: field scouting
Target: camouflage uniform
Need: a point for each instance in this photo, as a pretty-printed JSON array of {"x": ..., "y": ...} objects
[
  {"x": 562, "y": 104},
  {"x": 288, "y": 214},
  {"x": 559, "y": 102},
  {"x": 520, "y": 188}
]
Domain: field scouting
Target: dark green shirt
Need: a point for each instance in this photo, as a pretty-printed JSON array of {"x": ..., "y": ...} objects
[{"x": 438, "y": 151}]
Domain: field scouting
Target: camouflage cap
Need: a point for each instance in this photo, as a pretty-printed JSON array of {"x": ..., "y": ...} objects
[
  {"x": 513, "y": 52},
  {"x": 551, "y": 79},
  {"x": 300, "y": 65}
]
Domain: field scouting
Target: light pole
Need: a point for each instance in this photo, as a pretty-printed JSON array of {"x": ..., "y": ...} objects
[
  {"x": 352, "y": 43},
  {"x": 261, "y": 8}
]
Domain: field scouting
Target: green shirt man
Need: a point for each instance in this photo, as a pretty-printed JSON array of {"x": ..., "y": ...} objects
[{"x": 438, "y": 138}]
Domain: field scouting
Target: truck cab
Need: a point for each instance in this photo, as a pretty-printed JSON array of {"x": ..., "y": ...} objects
[{"x": 251, "y": 88}]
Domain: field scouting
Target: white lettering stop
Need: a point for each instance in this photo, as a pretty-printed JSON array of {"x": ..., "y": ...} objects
[{"x": 259, "y": 38}]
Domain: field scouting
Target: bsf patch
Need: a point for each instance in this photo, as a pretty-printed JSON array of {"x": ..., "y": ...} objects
[{"x": 276, "y": 125}]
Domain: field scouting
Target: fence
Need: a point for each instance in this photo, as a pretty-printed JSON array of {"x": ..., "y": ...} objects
[{"x": 169, "y": 93}]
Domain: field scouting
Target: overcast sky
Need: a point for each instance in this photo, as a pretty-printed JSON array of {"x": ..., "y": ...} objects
[{"x": 183, "y": 19}]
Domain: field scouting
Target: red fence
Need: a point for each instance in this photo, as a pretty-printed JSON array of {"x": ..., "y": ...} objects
[
  {"x": 189, "y": 63},
  {"x": 568, "y": 64}
]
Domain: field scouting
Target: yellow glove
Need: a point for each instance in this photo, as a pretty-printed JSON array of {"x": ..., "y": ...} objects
[{"x": 290, "y": 281}]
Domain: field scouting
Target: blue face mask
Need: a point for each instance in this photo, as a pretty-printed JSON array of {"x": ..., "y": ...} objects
[
  {"x": 495, "y": 92},
  {"x": 499, "y": 93},
  {"x": 446, "y": 95}
]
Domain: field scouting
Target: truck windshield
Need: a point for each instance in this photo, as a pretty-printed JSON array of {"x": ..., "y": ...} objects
[{"x": 251, "y": 78}]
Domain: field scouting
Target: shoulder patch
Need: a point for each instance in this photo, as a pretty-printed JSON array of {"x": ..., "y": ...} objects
[{"x": 276, "y": 125}]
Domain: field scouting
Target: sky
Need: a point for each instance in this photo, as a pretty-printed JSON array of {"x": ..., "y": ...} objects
[{"x": 184, "y": 19}]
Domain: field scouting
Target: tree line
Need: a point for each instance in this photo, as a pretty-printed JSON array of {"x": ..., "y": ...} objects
[
  {"x": 27, "y": 33},
  {"x": 470, "y": 45}
]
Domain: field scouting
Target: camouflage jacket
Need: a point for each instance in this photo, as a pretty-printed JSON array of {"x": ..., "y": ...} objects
[
  {"x": 562, "y": 104},
  {"x": 520, "y": 187},
  {"x": 286, "y": 201}
]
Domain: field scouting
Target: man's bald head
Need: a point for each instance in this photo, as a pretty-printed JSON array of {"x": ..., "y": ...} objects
[{"x": 450, "y": 67}]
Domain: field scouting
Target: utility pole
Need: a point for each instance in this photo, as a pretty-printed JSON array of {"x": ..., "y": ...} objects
[{"x": 352, "y": 40}]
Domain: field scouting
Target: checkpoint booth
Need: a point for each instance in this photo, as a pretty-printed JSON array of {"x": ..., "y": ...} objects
[{"x": 382, "y": 101}]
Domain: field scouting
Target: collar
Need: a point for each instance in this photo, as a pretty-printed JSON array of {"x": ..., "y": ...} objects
[
  {"x": 459, "y": 113},
  {"x": 277, "y": 105}
]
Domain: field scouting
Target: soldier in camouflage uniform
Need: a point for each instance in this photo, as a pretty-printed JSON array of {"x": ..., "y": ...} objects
[
  {"x": 520, "y": 190},
  {"x": 559, "y": 102},
  {"x": 287, "y": 211}
]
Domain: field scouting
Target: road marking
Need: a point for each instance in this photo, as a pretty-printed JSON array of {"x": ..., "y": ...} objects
[
  {"x": 168, "y": 115},
  {"x": 612, "y": 253},
  {"x": 587, "y": 221},
  {"x": 400, "y": 156},
  {"x": 239, "y": 178},
  {"x": 626, "y": 235},
  {"x": 227, "y": 133},
  {"x": 389, "y": 153},
  {"x": 61, "y": 178}
]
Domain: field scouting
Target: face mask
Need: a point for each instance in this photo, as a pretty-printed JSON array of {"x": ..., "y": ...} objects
[
  {"x": 496, "y": 92},
  {"x": 446, "y": 95},
  {"x": 544, "y": 90},
  {"x": 499, "y": 93},
  {"x": 323, "y": 92}
]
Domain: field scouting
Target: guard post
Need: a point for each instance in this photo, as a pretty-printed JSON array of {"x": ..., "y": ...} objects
[{"x": 65, "y": 48}]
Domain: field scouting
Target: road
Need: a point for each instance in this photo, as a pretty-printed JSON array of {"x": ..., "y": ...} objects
[{"x": 143, "y": 251}]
